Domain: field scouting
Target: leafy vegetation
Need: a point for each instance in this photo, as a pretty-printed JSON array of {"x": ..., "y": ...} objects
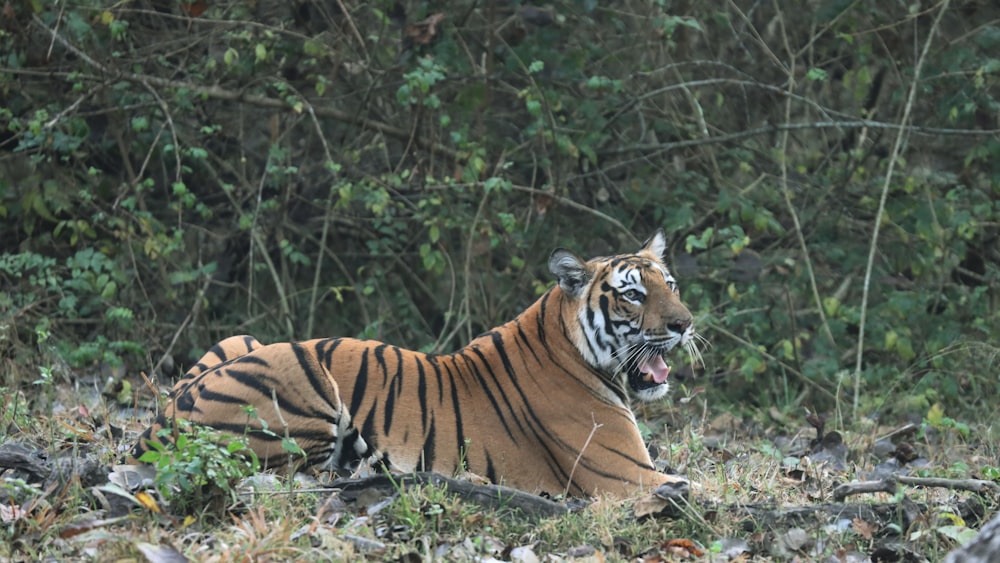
[
  {"x": 200, "y": 468},
  {"x": 172, "y": 173}
]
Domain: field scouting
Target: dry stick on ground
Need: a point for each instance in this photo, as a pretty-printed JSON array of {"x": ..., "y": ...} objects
[
  {"x": 897, "y": 149},
  {"x": 488, "y": 496},
  {"x": 888, "y": 485}
]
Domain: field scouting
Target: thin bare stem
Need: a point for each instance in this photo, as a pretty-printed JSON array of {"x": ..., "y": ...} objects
[
  {"x": 896, "y": 150},
  {"x": 787, "y": 192},
  {"x": 593, "y": 430}
]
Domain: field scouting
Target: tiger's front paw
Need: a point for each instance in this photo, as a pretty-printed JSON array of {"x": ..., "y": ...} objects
[
  {"x": 675, "y": 491},
  {"x": 665, "y": 501}
]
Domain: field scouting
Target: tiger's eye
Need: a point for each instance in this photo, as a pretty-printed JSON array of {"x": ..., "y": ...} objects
[{"x": 634, "y": 295}]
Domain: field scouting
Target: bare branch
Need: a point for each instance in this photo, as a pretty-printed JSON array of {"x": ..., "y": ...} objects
[
  {"x": 897, "y": 149},
  {"x": 220, "y": 93}
]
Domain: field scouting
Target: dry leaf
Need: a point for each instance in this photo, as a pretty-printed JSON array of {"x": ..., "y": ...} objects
[
  {"x": 423, "y": 32},
  {"x": 147, "y": 501},
  {"x": 863, "y": 529},
  {"x": 194, "y": 9},
  {"x": 650, "y": 505},
  {"x": 9, "y": 513},
  {"x": 682, "y": 547}
]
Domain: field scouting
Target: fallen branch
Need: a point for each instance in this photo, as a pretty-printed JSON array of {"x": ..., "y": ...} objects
[
  {"x": 888, "y": 485},
  {"x": 974, "y": 485},
  {"x": 57, "y": 472},
  {"x": 492, "y": 497},
  {"x": 862, "y": 487}
]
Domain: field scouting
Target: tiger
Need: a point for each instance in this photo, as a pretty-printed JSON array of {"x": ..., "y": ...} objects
[{"x": 541, "y": 403}]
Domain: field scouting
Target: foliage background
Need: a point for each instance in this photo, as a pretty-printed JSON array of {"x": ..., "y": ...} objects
[{"x": 172, "y": 173}]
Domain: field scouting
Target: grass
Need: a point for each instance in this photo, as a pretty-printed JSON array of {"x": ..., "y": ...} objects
[{"x": 734, "y": 462}]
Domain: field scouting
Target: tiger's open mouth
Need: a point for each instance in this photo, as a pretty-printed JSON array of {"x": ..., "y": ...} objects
[{"x": 648, "y": 373}]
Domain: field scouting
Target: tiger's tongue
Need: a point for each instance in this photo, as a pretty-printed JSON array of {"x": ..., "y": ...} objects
[{"x": 655, "y": 367}]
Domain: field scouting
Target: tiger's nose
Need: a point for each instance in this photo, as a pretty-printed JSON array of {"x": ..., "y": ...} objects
[{"x": 679, "y": 324}]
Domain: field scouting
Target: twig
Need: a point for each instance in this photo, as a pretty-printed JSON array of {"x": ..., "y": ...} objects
[
  {"x": 326, "y": 221},
  {"x": 219, "y": 93},
  {"x": 787, "y": 192},
  {"x": 896, "y": 150},
  {"x": 464, "y": 307},
  {"x": 354, "y": 28},
  {"x": 773, "y": 359},
  {"x": 973, "y": 485},
  {"x": 495, "y": 497},
  {"x": 256, "y": 239},
  {"x": 888, "y": 485},
  {"x": 284, "y": 426},
  {"x": 770, "y": 129},
  {"x": 579, "y": 207},
  {"x": 593, "y": 430},
  {"x": 195, "y": 309}
]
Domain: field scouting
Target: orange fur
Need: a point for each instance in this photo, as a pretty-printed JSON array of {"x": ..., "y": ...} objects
[{"x": 522, "y": 405}]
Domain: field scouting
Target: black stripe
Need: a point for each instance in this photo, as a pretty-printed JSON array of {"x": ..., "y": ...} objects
[
  {"x": 639, "y": 462},
  {"x": 427, "y": 451},
  {"x": 325, "y": 349},
  {"x": 368, "y": 428},
  {"x": 360, "y": 383},
  {"x": 489, "y": 368},
  {"x": 250, "y": 343},
  {"x": 523, "y": 338},
  {"x": 586, "y": 332},
  {"x": 422, "y": 394},
  {"x": 315, "y": 377},
  {"x": 433, "y": 361},
  {"x": 252, "y": 428},
  {"x": 604, "y": 303},
  {"x": 540, "y": 321},
  {"x": 252, "y": 360},
  {"x": 456, "y": 407},
  {"x": 184, "y": 403},
  {"x": 395, "y": 389},
  {"x": 380, "y": 360},
  {"x": 491, "y": 470},
  {"x": 219, "y": 352},
  {"x": 538, "y": 427},
  {"x": 489, "y": 394},
  {"x": 264, "y": 385}
]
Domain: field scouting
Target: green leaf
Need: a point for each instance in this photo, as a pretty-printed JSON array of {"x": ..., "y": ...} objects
[
  {"x": 935, "y": 415},
  {"x": 817, "y": 74},
  {"x": 313, "y": 48}
]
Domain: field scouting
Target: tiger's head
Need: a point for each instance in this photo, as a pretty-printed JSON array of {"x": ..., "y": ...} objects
[{"x": 629, "y": 314}]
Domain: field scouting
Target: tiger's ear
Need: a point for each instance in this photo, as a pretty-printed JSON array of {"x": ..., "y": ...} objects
[
  {"x": 570, "y": 270},
  {"x": 656, "y": 245}
]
